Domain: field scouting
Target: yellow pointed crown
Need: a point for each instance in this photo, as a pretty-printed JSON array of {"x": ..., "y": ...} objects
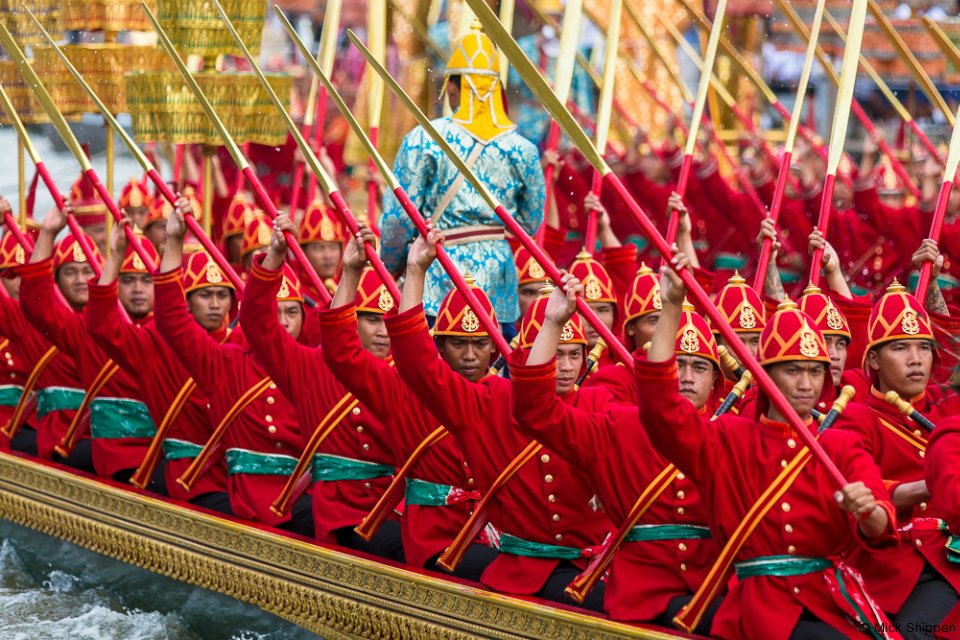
[{"x": 474, "y": 55}]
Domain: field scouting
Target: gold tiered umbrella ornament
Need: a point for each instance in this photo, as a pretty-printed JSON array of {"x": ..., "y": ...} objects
[
  {"x": 163, "y": 108},
  {"x": 14, "y": 16}
]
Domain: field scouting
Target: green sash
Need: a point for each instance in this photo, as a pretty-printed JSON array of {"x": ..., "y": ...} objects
[
  {"x": 261, "y": 464},
  {"x": 728, "y": 262},
  {"x": 526, "y": 548},
  {"x": 50, "y": 399},
  {"x": 648, "y": 532},
  {"x": 174, "y": 449},
  {"x": 120, "y": 418},
  {"x": 10, "y": 395},
  {"x": 327, "y": 468},
  {"x": 780, "y": 566}
]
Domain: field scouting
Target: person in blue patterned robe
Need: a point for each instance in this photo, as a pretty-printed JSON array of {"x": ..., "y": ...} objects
[{"x": 508, "y": 164}]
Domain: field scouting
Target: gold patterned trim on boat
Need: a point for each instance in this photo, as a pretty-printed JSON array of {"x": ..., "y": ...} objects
[{"x": 321, "y": 589}]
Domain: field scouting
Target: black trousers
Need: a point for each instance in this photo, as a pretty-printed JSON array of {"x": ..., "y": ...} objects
[
  {"x": 385, "y": 543},
  {"x": 25, "y": 441},
  {"x": 301, "y": 520},
  {"x": 810, "y": 627},
  {"x": 927, "y": 605},
  {"x": 218, "y": 501},
  {"x": 475, "y": 560},
  {"x": 558, "y": 581},
  {"x": 679, "y": 602},
  {"x": 80, "y": 458}
]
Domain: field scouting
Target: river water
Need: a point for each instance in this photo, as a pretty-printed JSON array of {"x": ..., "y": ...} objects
[{"x": 53, "y": 590}]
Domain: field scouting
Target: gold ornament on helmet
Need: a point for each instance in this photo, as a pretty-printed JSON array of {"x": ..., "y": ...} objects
[
  {"x": 535, "y": 270},
  {"x": 834, "y": 321},
  {"x": 263, "y": 234},
  {"x": 592, "y": 289},
  {"x": 910, "y": 324},
  {"x": 808, "y": 343},
  {"x": 213, "y": 274},
  {"x": 566, "y": 334},
  {"x": 19, "y": 256},
  {"x": 284, "y": 291},
  {"x": 748, "y": 319},
  {"x": 138, "y": 263},
  {"x": 385, "y": 301},
  {"x": 327, "y": 231},
  {"x": 470, "y": 322},
  {"x": 657, "y": 299},
  {"x": 690, "y": 341},
  {"x": 78, "y": 254}
]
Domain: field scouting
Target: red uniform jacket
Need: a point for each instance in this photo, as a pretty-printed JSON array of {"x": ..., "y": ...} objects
[
  {"x": 942, "y": 470},
  {"x": 224, "y": 372},
  {"x": 427, "y": 530},
  {"x": 615, "y": 378},
  {"x": 732, "y": 461},
  {"x": 13, "y": 373},
  {"x": 60, "y": 372},
  {"x": 878, "y": 423},
  {"x": 141, "y": 352},
  {"x": 65, "y": 329},
  {"x": 304, "y": 378},
  {"x": 613, "y": 451},
  {"x": 547, "y": 501}
]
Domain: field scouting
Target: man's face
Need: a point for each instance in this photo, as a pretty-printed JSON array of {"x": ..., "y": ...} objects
[
  {"x": 470, "y": 357},
  {"x": 569, "y": 363},
  {"x": 902, "y": 366},
  {"x": 72, "y": 279},
  {"x": 641, "y": 329},
  {"x": 750, "y": 340},
  {"x": 98, "y": 233},
  {"x": 248, "y": 259},
  {"x": 11, "y": 284},
  {"x": 800, "y": 382},
  {"x": 837, "y": 349},
  {"x": 209, "y": 306},
  {"x": 290, "y": 315},
  {"x": 234, "y": 246},
  {"x": 696, "y": 376},
  {"x": 156, "y": 233},
  {"x": 135, "y": 291},
  {"x": 653, "y": 168},
  {"x": 607, "y": 313},
  {"x": 137, "y": 215},
  {"x": 324, "y": 256},
  {"x": 373, "y": 334},
  {"x": 527, "y": 294}
]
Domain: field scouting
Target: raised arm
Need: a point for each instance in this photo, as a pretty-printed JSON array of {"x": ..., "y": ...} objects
[
  {"x": 457, "y": 403},
  {"x": 201, "y": 355},
  {"x": 279, "y": 352}
]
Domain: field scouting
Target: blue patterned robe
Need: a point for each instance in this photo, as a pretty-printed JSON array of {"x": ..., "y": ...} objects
[{"x": 510, "y": 167}]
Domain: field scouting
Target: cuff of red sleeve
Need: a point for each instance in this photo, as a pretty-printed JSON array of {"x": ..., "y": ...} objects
[
  {"x": 406, "y": 322},
  {"x": 168, "y": 277},
  {"x": 616, "y": 255},
  {"x": 103, "y": 291},
  {"x": 521, "y": 372},
  {"x": 891, "y": 535},
  {"x": 262, "y": 273},
  {"x": 647, "y": 372},
  {"x": 341, "y": 316},
  {"x": 36, "y": 270}
]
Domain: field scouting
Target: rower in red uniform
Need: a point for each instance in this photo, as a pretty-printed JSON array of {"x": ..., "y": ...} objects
[
  {"x": 120, "y": 424},
  {"x": 531, "y": 278},
  {"x": 642, "y": 311},
  {"x": 263, "y": 441},
  {"x": 600, "y": 295},
  {"x": 917, "y": 583},
  {"x": 353, "y": 465},
  {"x": 168, "y": 391},
  {"x": 743, "y": 310},
  {"x": 231, "y": 229},
  {"x": 787, "y": 548},
  {"x": 58, "y": 390},
  {"x": 438, "y": 496},
  {"x": 668, "y": 551},
  {"x": 545, "y": 516},
  {"x": 321, "y": 236},
  {"x": 135, "y": 201}
]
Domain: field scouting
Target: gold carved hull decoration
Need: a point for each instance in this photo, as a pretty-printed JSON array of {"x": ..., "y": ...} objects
[{"x": 331, "y": 593}]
